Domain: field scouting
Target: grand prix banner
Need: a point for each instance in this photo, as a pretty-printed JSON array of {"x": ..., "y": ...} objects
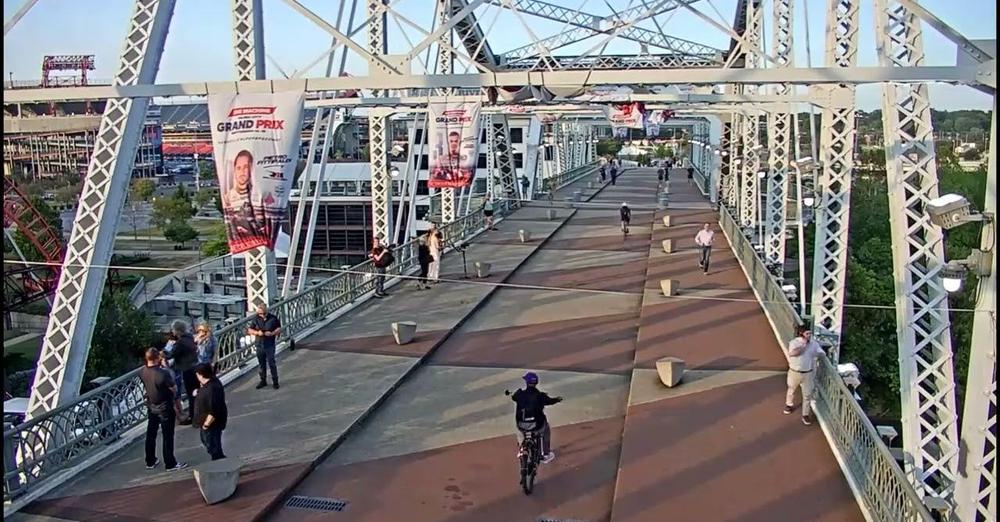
[
  {"x": 625, "y": 115},
  {"x": 454, "y": 143},
  {"x": 255, "y": 140}
]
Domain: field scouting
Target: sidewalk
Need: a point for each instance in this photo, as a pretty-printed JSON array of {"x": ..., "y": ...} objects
[{"x": 330, "y": 383}]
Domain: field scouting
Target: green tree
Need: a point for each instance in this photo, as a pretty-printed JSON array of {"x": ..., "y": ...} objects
[
  {"x": 182, "y": 194},
  {"x": 217, "y": 244},
  {"x": 143, "y": 189},
  {"x": 121, "y": 335},
  {"x": 661, "y": 151},
  {"x": 608, "y": 147},
  {"x": 180, "y": 232},
  {"x": 203, "y": 198},
  {"x": 167, "y": 211},
  {"x": 971, "y": 155}
]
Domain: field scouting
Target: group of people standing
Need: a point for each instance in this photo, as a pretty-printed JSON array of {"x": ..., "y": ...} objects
[
  {"x": 613, "y": 166},
  {"x": 430, "y": 247}
]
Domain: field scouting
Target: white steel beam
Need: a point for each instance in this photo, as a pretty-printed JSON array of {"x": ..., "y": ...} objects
[
  {"x": 378, "y": 130},
  {"x": 66, "y": 344},
  {"x": 778, "y": 143},
  {"x": 976, "y": 491},
  {"x": 499, "y": 134},
  {"x": 927, "y": 380},
  {"x": 750, "y": 135},
  {"x": 837, "y": 145}
]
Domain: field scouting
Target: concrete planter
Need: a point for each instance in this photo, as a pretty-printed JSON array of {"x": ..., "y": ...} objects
[
  {"x": 217, "y": 479},
  {"x": 666, "y": 221},
  {"x": 670, "y": 370},
  {"x": 551, "y": 214},
  {"x": 404, "y": 331},
  {"x": 577, "y": 196},
  {"x": 668, "y": 246},
  {"x": 669, "y": 287},
  {"x": 525, "y": 235},
  {"x": 482, "y": 269}
]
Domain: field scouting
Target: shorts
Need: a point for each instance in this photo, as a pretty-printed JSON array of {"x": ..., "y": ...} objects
[{"x": 488, "y": 213}]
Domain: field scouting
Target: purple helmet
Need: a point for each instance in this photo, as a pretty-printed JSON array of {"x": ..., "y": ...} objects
[{"x": 531, "y": 378}]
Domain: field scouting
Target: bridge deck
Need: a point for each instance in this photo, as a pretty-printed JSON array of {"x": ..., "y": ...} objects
[{"x": 440, "y": 446}]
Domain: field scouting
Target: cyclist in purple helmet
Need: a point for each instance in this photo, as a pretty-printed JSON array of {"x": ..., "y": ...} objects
[{"x": 531, "y": 403}]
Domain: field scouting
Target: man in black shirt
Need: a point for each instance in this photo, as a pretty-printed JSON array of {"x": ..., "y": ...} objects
[
  {"x": 626, "y": 215},
  {"x": 210, "y": 412},
  {"x": 160, "y": 393},
  {"x": 266, "y": 327},
  {"x": 531, "y": 403}
]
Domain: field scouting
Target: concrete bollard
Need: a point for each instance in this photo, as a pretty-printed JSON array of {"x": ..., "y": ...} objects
[
  {"x": 591, "y": 184},
  {"x": 217, "y": 479},
  {"x": 482, "y": 269},
  {"x": 525, "y": 235},
  {"x": 577, "y": 196},
  {"x": 568, "y": 201},
  {"x": 404, "y": 331},
  {"x": 669, "y": 287},
  {"x": 667, "y": 221},
  {"x": 670, "y": 370},
  {"x": 668, "y": 246},
  {"x": 551, "y": 214}
]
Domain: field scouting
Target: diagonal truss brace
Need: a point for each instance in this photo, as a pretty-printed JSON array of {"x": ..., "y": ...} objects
[
  {"x": 779, "y": 126},
  {"x": 66, "y": 344}
]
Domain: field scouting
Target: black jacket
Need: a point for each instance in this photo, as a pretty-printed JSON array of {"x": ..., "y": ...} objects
[
  {"x": 424, "y": 255},
  {"x": 211, "y": 400},
  {"x": 531, "y": 405},
  {"x": 626, "y": 214}
]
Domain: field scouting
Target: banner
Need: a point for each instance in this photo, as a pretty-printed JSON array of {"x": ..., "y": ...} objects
[
  {"x": 453, "y": 140},
  {"x": 652, "y": 130},
  {"x": 255, "y": 140},
  {"x": 628, "y": 115}
]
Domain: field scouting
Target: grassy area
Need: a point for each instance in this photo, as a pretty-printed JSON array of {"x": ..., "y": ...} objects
[
  {"x": 22, "y": 355},
  {"x": 203, "y": 226},
  {"x": 173, "y": 263}
]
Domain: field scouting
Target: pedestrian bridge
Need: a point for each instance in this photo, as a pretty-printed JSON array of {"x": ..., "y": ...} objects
[{"x": 423, "y": 431}]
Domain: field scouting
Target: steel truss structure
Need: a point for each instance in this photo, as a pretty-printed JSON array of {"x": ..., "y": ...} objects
[
  {"x": 556, "y": 84},
  {"x": 837, "y": 144},
  {"x": 927, "y": 380}
]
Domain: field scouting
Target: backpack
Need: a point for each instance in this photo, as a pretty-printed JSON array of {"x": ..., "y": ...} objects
[{"x": 388, "y": 259}]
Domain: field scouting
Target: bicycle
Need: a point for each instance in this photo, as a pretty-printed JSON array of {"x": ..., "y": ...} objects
[{"x": 529, "y": 453}]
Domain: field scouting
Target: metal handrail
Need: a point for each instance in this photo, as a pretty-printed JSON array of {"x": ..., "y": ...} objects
[
  {"x": 40, "y": 448},
  {"x": 880, "y": 484},
  {"x": 562, "y": 179}
]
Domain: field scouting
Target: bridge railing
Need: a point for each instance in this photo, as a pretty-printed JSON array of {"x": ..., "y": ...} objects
[
  {"x": 878, "y": 482},
  {"x": 42, "y": 449},
  {"x": 565, "y": 178}
]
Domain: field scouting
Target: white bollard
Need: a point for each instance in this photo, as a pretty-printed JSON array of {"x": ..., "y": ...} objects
[{"x": 404, "y": 331}]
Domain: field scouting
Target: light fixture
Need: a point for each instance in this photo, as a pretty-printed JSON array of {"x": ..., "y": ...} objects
[
  {"x": 808, "y": 201},
  {"x": 762, "y": 174},
  {"x": 953, "y": 272},
  {"x": 394, "y": 172},
  {"x": 952, "y": 210},
  {"x": 718, "y": 152}
]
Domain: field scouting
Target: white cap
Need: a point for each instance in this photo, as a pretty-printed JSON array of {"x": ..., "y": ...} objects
[{"x": 624, "y": 204}]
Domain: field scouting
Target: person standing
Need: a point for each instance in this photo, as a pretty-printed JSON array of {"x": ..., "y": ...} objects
[
  {"x": 210, "y": 411},
  {"x": 604, "y": 173},
  {"x": 160, "y": 394},
  {"x": 424, "y": 258},
  {"x": 488, "y": 213},
  {"x": 206, "y": 344},
  {"x": 802, "y": 353},
  {"x": 614, "y": 173},
  {"x": 435, "y": 242},
  {"x": 185, "y": 359},
  {"x": 704, "y": 239},
  {"x": 626, "y": 215},
  {"x": 266, "y": 327},
  {"x": 377, "y": 256}
]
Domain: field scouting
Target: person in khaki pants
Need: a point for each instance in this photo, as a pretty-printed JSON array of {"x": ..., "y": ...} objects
[{"x": 802, "y": 354}]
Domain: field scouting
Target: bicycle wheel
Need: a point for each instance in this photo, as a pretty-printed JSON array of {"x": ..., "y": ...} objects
[{"x": 528, "y": 482}]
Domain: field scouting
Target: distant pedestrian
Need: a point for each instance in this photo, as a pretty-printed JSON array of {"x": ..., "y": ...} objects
[
  {"x": 435, "y": 242},
  {"x": 424, "y": 258},
  {"x": 266, "y": 327},
  {"x": 488, "y": 213},
  {"x": 206, "y": 344},
  {"x": 378, "y": 256},
  {"x": 160, "y": 394},
  {"x": 802, "y": 354},
  {"x": 704, "y": 239},
  {"x": 614, "y": 174},
  {"x": 660, "y": 173},
  {"x": 210, "y": 411},
  {"x": 604, "y": 174},
  {"x": 185, "y": 359},
  {"x": 525, "y": 185}
]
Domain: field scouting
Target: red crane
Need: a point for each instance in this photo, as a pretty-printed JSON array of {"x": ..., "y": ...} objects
[
  {"x": 66, "y": 62},
  {"x": 18, "y": 210}
]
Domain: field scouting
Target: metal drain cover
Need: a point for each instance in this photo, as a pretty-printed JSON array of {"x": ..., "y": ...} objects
[{"x": 322, "y": 504}]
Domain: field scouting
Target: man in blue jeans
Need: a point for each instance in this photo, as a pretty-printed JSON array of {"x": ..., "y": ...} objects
[
  {"x": 266, "y": 327},
  {"x": 161, "y": 417}
]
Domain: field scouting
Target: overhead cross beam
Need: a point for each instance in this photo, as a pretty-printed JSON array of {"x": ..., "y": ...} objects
[{"x": 588, "y": 25}]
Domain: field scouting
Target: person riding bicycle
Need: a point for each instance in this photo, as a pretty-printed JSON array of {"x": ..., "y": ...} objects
[
  {"x": 626, "y": 214},
  {"x": 530, "y": 413}
]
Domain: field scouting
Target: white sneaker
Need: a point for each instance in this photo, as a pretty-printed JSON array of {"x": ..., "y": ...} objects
[{"x": 549, "y": 457}]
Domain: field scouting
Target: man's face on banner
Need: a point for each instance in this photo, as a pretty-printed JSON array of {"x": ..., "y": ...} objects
[
  {"x": 242, "y": 174},
  {"x": 454, "y": 142}
]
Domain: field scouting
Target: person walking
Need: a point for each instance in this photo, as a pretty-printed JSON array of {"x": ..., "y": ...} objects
[
  {"x": 160, "y": 416},
  {"x": 690, "y": 169},
  {"x": 704, "y": 239},
  {"x": 424, "y": 258},
  {"x": 378, "y": 257},
  {"x": 604, "y": 173},
  {"x": 266, "y": 327},
  {"x": 185, "y": 359},
  {"x": 488, "y": 213},
  {"x": 210, "y": 411},
  {"x": 435, "y": 242},
  {"x": 626, "y": 215},
  {"x": 206, "y": 344},
  {"x": 614, "y": 174},
  {"x": 802, "y": 353}
]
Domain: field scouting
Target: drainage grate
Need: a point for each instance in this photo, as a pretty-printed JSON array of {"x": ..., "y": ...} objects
[{"x": 326, "y": 505}]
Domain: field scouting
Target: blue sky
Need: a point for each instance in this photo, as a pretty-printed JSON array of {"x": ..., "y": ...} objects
[{"x": 199, "y": 45}]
